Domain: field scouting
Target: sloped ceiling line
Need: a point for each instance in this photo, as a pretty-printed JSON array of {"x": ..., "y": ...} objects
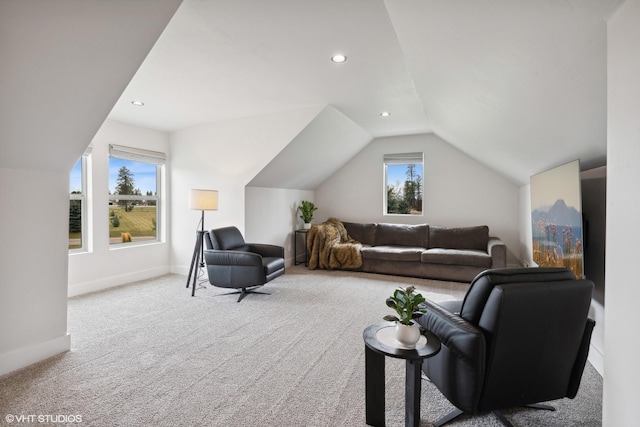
[{"x": 329, "y": 141}]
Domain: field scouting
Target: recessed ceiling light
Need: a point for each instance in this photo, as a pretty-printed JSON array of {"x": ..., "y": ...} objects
[
  {"x": 385, "y": 114},
  {"x": 137, "y": 103},
  {"x": 339, "y": 58}
]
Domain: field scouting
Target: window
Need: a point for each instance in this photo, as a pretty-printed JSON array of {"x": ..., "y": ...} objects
[
  {"x": 403, "y": 183},
  {"x": 78, "y": 204},
  {"x": 134, "y": 194}
]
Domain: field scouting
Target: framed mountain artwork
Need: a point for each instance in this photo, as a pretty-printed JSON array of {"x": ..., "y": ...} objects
[{"x": 556, "y": 218}]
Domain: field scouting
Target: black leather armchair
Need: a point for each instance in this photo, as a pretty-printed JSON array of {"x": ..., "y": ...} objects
[
  {"x": 232, "y": 263},
  {"x": 519, "y": 337}
]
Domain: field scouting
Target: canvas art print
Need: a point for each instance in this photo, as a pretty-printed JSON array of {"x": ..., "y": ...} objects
[{"x": 556, "y": 218}]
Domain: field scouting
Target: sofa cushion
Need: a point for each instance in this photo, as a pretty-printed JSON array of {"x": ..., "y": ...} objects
[
  {"x": 363, "y": 233},
  {"x": 459, "y": 238},
  {"x": 392, "y": 253},
  {"x": 402, "y": 235},
  {"x": 468, "y": 257}
]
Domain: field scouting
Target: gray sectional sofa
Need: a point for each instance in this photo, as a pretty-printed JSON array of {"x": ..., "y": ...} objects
[{"x": 427, "y": 251}]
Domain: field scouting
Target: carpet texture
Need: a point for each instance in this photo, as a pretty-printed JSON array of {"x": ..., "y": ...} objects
[{"x": 148, "y": 354}]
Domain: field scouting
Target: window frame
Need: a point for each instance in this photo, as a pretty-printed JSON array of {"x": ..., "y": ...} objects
[
  {"x": 84, "y": 204},
  {"x": 142, "y": 156},
  {"x": 401, "y": 159}
]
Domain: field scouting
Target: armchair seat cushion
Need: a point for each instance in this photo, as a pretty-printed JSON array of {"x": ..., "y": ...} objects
[
  {"x": 475, "y": 258},
  {"x": 392, "y": 253},
  {"x": 241, "y": 258}
]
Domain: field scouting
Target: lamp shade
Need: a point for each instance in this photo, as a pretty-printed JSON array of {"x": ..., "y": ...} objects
[{"x": 203, "y": 200}]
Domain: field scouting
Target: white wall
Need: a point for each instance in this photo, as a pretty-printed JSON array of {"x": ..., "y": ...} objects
[
  {"x": 622, "y": 293},
  {"x": 63, "y": 68},
  {"x": 525, "y": 234},
  {"x": 451, "y": 198},
  {"x": 103, "y": 266},
  {"x": 225, "y": 156},
  {"x": 33, "y": 263},
  {"x": 271, "y": 216}
]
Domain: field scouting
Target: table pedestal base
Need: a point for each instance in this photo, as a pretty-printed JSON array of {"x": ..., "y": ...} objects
[
  {"x": 375, "y": 389},
  {"x": 376, "y": 348}
]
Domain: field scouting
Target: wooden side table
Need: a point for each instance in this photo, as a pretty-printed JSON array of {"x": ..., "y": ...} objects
[
  {"x": 305, "y": 233},
  {"x": 377, "y": 346}
]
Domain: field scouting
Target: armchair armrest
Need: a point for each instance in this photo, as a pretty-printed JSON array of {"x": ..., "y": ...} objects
[
  {"x": 458, "y": 370},
  {"x": 498, "y": 251},
  {"x": 267, "y": 250},
  {"x": 220, "y": 257},
  {"x": 461, "y": 337}
]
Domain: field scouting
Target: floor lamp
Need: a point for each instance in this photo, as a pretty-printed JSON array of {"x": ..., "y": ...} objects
[{"x": 200, "y": 200}]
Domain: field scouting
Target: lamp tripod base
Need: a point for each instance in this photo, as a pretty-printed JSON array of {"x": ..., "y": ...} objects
[{"x": 197, "y": 261}]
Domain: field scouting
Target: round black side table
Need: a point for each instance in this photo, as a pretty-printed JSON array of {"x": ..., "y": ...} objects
[{"x": 377, "y": 345}]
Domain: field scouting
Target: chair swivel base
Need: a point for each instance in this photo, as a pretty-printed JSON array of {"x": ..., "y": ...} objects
[
  {"x": 245, "y": 291},
  {"x": 499, "y": 415}
]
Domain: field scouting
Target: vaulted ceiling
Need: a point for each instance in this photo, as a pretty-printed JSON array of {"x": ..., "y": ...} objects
[
  {"x": 520, "y": 86},
  {"x": 63, "y": 65}
]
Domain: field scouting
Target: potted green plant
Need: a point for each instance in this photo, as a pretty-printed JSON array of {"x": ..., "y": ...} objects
[
  {"x": 406, "y": 303},
  {"x": 307, "y": 209}
]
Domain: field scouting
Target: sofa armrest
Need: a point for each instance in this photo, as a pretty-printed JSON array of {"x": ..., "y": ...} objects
[
  {"x": 266, "y": 250},
  {"x": 498, "y": 251},
  {"x": 219, "y": 257}
]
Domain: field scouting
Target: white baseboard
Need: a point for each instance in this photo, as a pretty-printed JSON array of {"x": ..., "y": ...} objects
[
  {"x": 113, "y": 281},
  {"x": 23, "y": 357},
  {"x": 180, "y": 269},
  {"x": 596, "y": 358}
]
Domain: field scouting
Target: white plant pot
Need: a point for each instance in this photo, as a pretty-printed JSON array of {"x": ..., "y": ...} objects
[
  {"x": 307, "y": 225},
  {"x": 407, "y": 335}
]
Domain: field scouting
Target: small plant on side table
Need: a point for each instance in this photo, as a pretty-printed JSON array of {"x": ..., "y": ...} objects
[
  {"x": 307, "y": 209},
  {"x": 406, "y": 303}
]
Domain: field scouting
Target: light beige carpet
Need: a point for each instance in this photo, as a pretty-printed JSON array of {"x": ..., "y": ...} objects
[{"x": 148, "y": 354}]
